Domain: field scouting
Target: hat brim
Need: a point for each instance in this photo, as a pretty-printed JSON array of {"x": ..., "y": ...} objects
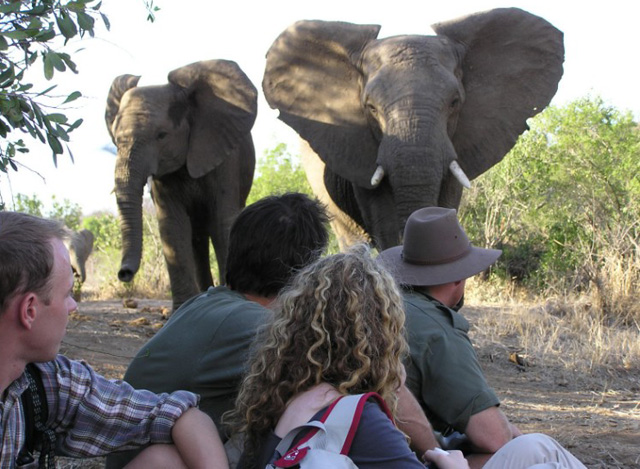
[{"x": 477, "y": 260}]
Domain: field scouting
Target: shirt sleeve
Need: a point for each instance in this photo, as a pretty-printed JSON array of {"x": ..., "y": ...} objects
[
  {"x": 93, "y": 416},
  {"x": 445, "y": 374},
  {"x": 379, "y": 444}
]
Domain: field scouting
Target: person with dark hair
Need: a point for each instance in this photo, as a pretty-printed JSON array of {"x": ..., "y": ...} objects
[
  {"x": 205, "y": 344},
  {"x": 88, "y": 415}
]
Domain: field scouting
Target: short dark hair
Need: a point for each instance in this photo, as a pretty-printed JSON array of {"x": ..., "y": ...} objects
[
  {"x": 26, "y": 254},
  {"x": 271, "y": 239}
]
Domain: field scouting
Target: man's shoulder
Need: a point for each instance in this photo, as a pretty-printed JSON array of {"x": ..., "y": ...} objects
[
  {"x": 415, "y": 302},
  {"x": 214, "y": 306}
]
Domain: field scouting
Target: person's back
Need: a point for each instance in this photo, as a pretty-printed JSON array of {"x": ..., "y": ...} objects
[
  {"x": 205, "y": 344},
  {"x": 202, "y": 348}
]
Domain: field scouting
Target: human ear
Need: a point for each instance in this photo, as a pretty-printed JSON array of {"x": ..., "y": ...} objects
[{"x": 28, "y": 310}]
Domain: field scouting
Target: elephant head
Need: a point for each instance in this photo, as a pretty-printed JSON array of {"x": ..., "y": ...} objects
[
  {"x": 400, "y": 121},
  {"x": 196, "y": 121}
]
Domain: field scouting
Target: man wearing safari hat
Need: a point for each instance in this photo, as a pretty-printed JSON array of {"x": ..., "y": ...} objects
[{"x": 443, "y": 371}]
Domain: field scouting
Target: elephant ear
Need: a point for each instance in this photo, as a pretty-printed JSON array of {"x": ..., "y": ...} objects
[
  {"x": 223, "y": 105},
  {"x": 312, "y": 78},
  {"x": 510, "y": 73},
  {"x": 120, "y": 86}
]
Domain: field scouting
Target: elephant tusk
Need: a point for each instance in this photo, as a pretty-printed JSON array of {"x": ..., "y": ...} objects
[
  {"x": 457, "y": 171},
  {"x": 377, "y": 176}
]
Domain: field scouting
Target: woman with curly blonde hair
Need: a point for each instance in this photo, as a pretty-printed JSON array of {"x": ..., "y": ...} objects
[{"x": 337, "y": 330}]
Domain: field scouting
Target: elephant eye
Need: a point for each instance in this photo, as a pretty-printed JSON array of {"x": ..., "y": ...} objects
[
  {"x": 372, "y": 109},
  {"x": 455, "y": 103},
  {"x": 162, "y": 135}
]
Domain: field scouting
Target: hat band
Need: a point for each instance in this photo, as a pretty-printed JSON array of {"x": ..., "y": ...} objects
[{"x": 436, "y": 262}]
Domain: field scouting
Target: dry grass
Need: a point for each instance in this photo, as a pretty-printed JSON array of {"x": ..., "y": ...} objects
[{"x": 571, "y": 331}]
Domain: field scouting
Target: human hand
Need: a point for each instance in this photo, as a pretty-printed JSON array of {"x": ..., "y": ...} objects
[{"x": 446, "y": 459}]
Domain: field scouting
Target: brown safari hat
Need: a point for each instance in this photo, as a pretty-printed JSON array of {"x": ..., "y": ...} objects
[{"x": 436, "y": 250}]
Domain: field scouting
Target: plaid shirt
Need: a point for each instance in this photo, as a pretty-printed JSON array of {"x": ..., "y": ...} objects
[{"x": 91, "y": 415}]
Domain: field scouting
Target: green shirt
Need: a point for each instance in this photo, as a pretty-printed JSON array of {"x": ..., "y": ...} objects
[
  {"x": 443, "y": 370},
  {"x": 203, "y": 348}
]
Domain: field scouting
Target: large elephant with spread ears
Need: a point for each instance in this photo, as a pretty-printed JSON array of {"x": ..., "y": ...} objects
[
  {"x": 405, "y": 122},
  {"x": 192, "y": 136}
]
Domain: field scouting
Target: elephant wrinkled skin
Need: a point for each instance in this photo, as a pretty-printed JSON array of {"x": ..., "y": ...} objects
[
  {"x": 395, "y": 124},
  {"x": 192, "y": 136}
]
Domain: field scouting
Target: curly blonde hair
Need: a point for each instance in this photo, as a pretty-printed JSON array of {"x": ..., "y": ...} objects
[{"x": 340, "y": 321}]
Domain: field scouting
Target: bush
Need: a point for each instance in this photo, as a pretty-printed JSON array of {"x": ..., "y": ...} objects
[{"x": 565, "y": 205}]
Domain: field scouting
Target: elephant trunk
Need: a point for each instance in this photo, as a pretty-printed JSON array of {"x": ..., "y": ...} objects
[
  {"x": 129, "y": 190},
  {"x": 414, "y": 184},
  {"x": 416, "y": 161}
]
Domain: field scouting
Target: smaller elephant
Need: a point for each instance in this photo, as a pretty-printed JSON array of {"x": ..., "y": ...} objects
[
  {"x": 192, "y": 137},
  {"x": 80, "y": 246}
]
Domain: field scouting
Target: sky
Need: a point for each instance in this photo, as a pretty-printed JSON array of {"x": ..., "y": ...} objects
[{"x": 601, "y": 41}]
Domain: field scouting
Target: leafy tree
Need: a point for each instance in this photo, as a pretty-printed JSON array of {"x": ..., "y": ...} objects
[
  {"x": 106, "y": 231},
  {"x": 69, "y": 213},
  {"x": 278, "y": 172},
  {"x": 29, "y": 31},
  {"x": 31, "y": 205},
  {"x": 566, "y": 199}
]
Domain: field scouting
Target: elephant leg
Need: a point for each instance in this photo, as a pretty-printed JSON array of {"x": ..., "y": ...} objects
[
  {"x": 229, "y": 186},
  {"x": 347, "y": 231},
  {"x": 176, "y": 233},
  {"x": 200, "y": 245}
]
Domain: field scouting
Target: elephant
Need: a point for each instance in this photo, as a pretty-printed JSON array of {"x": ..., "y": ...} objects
[
  {"x": 192, "y": 137},
  {"x": 395, "y": 124},
  {"x": 80, "y": 245}
]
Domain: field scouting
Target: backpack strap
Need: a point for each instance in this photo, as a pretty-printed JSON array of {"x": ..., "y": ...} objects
[
  {"x": 338, "y": 426},
  {"x": 36, "y": 414},
  {"x": 338, "y": 416}
]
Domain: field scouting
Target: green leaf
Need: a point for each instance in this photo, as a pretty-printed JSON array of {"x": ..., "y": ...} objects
[
  {"x": 37, "y": 112},
  {"x": 55, "y": 145},
  {"x": 75, "y": 125},
  {"x": 46, "y": 35},
  {"x": 70, "y": 63},
  {"x": 85, "y": 21},
  {"x": 72, "y": 97},
  {"x": 67, "y": 27},
  {"x": 75, "y": 6},
  {"x": 32, "y": 58},
  {"x": 57, "y": 62},
  {"x": 62, "y": 133},
  {"x": 48, "y": 67},
  {"x": 57, "y": 118},
  {"x": 106, "y": 22},
  {"x": 11, "y": 7},
  {"x": 3, "y": 43},
  {"x": 42, "y": 93},
  {"x": 16, "y": 34},
  {"x": 7, "y": 77}
]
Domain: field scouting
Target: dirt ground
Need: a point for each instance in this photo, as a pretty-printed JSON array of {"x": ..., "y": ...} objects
[{"x": 597, "y": 418}]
